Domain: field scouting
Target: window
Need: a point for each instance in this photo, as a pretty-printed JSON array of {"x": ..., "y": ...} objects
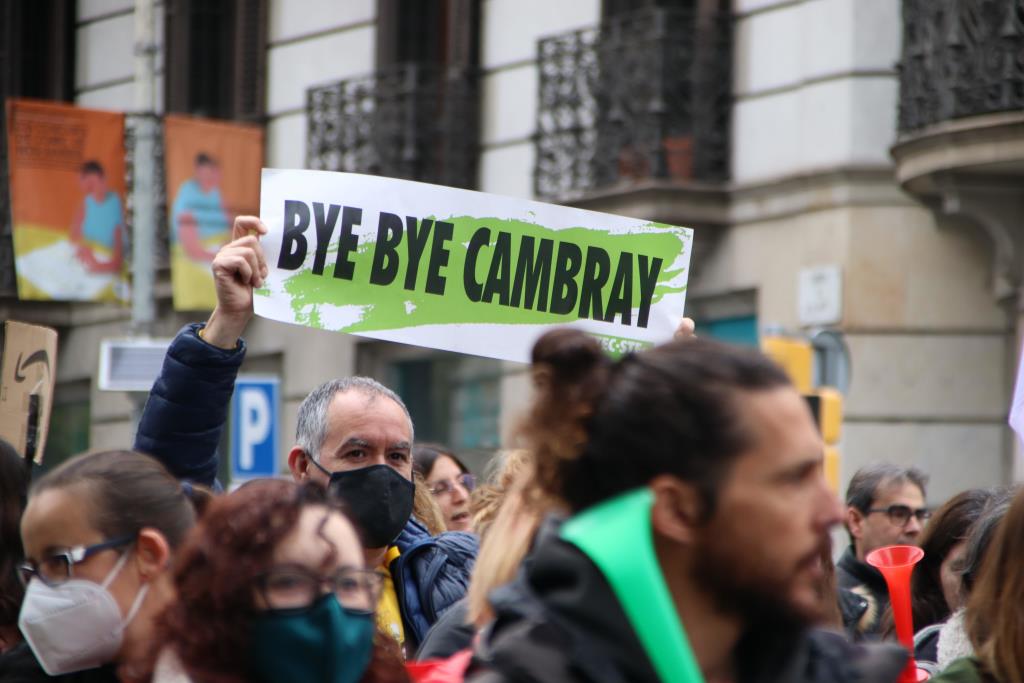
[
  {"x": 69, "y": 424},
  {"x": 428, "y": 32},
  {"x": 453, "y": 398},
  {"x": 729, "y": 317},
  {"x": 616, "y": 8},
  {"x": 416, "y": 115},
  {"x": 37, "y": 49},
  {"x": 216, "y": 58},
  {"x": 643, "y": 95},
  {"x": 740, "y": 330}
]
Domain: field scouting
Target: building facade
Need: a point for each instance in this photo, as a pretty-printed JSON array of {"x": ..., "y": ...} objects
[{"x": 788, "y": 133}]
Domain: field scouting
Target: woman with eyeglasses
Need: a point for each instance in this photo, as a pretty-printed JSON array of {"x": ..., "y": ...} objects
[
  {"x": 449, "y": 481},
  {"x": 272, "y": 587},
  {"x": 98, "y": 533}
]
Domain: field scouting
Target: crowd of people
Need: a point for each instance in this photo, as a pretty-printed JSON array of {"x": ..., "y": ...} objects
[{"x": 665, "y": 517}]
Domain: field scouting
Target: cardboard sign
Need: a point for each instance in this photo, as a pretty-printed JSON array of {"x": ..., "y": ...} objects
[
  {"x": 213, "y": 175},
  {"x": 67, "y": 201},
  {"x": 28, "y": 372},
  {"x": 463, "y": 271}
]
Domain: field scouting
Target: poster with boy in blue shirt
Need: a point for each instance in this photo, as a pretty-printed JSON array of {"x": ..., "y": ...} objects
[
  {"x": 200, "y": 224},
  {"x": 98, "y": 227},
  {"x": 67, "y": 185},
  {"x": 212, "y": 170}
]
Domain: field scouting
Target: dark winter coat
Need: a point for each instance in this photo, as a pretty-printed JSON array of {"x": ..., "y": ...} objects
[
  {"x": 867, "y": 582},
  {"x": 561, "y": 622},
  {"x": 19, "y": 665},
  {"x": 451, "y": 634}
]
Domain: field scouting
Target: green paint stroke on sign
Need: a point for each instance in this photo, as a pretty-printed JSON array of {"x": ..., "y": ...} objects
[{"x": 499, "y": 287}]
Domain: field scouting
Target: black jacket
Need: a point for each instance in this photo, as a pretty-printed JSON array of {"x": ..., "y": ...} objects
[
  {"x": 450, "y": 634},
  {"x": 560, "y": 621},
  {"x": 19, "y": 665},
  {"x": 852, "y": 608},
  {"x": 867, "y": 582}
]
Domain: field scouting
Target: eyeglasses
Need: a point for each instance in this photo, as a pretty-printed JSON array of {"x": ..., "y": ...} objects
[
  {"x": 292, "y": 586},
  {"x": 466, "y": 480},
  {"x": 901, "y": 514},
  {"x": 55, "y": 569}
]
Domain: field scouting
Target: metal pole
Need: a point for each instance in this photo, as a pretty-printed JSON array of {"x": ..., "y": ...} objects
[{"x": 144, "y": 190}]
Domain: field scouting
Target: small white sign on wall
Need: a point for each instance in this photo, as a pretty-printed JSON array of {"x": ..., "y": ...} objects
[{"x": 821, "y": 295}]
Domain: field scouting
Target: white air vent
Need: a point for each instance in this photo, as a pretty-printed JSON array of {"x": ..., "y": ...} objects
[{"x": 131, "y": 364}]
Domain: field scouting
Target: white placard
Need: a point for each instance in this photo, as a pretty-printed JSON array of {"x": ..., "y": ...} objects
[{"x": 463, "y": 271}]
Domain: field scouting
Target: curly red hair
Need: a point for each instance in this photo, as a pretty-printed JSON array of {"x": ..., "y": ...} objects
[{"x": 216, "y": 571}]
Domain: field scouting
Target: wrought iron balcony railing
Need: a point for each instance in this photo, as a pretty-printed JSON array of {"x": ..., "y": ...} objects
[
  {"x": 410, "y": 121},
  {"x": 960, "y": 58},
  {"x": 644, "y": 95}
]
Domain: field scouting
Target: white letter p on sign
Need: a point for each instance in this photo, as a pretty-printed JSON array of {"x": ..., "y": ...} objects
[{"x": 255, "y": 425}]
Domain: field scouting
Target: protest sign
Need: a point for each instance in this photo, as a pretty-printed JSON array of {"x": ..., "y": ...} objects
[
  {"x": 213, "y": 175},
  {"x": 67, "y": 182},
  {"x": 463, "y": 271},
  {"x": 28, "y": 371}
]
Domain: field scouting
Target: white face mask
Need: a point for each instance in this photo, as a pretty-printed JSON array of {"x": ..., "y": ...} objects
[{"x": 76, "y": 625}]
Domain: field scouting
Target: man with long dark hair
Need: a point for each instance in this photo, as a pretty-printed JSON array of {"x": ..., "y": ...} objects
[{"x": 700, "y": 511}]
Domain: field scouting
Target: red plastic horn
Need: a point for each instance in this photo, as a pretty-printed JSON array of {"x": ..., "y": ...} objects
[{"x": 896, "y": 562}]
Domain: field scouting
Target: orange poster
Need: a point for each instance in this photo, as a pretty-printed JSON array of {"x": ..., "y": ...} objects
[
  {"x": 213, "y": 175},
  {"x": 67, "y": 168}
]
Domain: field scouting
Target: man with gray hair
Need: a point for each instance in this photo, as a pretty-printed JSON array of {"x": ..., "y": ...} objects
[
  {"x": 354, "y": 436},
  {"x": 885, "y": 505}
]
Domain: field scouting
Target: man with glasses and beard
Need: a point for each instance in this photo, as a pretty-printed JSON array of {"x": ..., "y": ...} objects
[{"x": 885, "y": 505}]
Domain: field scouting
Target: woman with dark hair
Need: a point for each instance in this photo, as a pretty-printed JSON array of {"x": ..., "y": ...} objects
[
  {"x": 953, "y": 641},
  {"x": 935, "y": 583},
  {"x": 993, "y": 617},
  {"x": 449, "y": 481},
  {"x": 99, "y": 532},
  {"x": 272, "y": 586},
  {"x": 14, "y": 476}
]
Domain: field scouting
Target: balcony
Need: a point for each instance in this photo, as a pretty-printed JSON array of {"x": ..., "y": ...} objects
[
  {"x": 960, "y": 58},
  {"x": 961, "y": 91},
  {"x": 639, "y": 104},
  {"x": 411, "y": 121},
  {"x": 960, "y": 147}
]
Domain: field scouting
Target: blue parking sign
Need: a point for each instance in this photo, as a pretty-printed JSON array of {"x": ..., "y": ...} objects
[{"x": 255, "y": 416}]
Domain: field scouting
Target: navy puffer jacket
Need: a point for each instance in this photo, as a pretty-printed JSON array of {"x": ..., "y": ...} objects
[
  {"x": 181, "y": 426},
  {"x": 430, "y": 575},
  {"x": 187, "y": 408}
]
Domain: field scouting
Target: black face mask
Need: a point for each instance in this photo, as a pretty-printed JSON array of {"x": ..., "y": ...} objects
[{"x": 377, "y": 498}]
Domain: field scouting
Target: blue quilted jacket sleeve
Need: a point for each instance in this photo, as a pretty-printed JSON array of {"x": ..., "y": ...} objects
[
  {"x": 431, "y": 574},
  {"x": 188, "y": 406}
]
